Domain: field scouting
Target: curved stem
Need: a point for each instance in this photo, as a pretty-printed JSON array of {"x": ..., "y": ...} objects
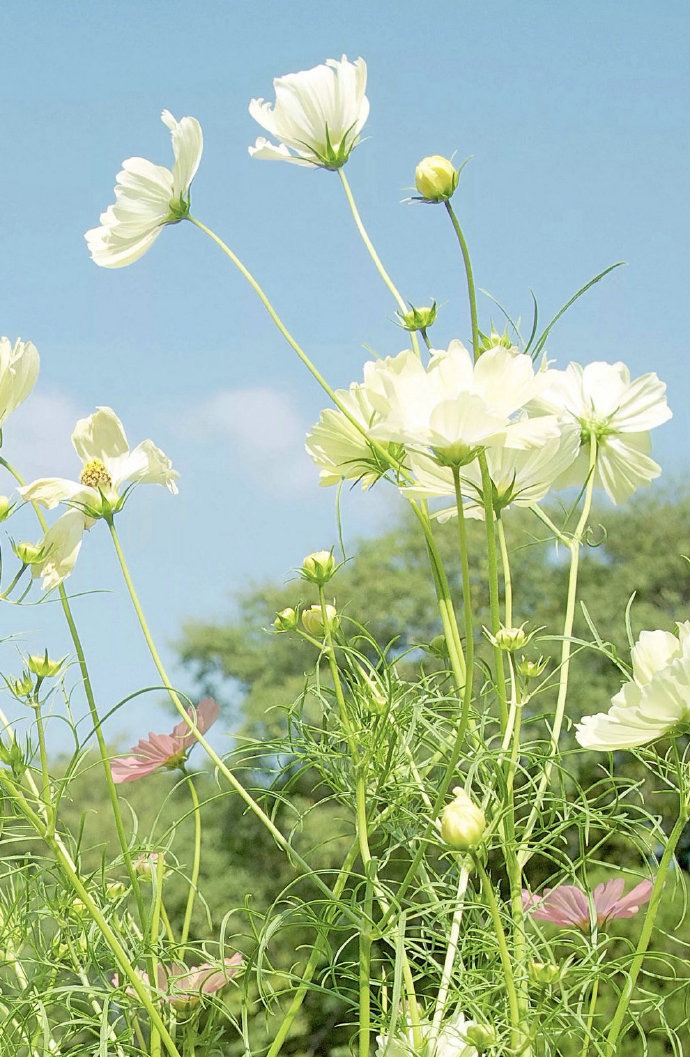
[
  {"x": 470, "y": 277},
  {"x": 194, "y": 879},
  {"x": 293, "y": 856}
]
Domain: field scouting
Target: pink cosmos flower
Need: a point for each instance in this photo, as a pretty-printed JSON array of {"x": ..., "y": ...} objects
[
  {"x": 569, "y": 904},
  {"x": 165, "y": 750},
  {"x": 182, "y": 986}
]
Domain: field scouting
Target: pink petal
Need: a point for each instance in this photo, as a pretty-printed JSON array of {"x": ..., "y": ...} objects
[
  {"x": 204, "y": 717},
  {"x": 631, "y": 903},
  {"x": 605, "y": 895}
]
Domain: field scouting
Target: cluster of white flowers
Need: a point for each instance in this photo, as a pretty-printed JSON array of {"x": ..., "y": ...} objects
[{"x": 536, "y": 427}]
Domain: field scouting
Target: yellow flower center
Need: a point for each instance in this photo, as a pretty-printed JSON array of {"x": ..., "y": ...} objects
[{"x": 95, "y": 475}]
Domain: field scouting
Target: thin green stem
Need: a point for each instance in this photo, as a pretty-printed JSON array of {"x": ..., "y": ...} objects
[
  {"x": 373, "y": 254},
  {"x": 153, "y": 930},
  {"x": 196, "y": 865},
  {"x": 469, "y": 275},
  {"x": 507, "y": 578},
  {"x": 293, "y": 856},
  {"x": 45, "y": 773},
  {"x": 466, "y": 605},
  {"x": 95, "y": 718},
  {"x": 451, "y": 954},
  {"x": 574, "y": 546},
  {"x": 647, "y": 929},
  {"x": 589, "y": 1024},
  {"x": 492, "y": 562},
  {"x": 365, "y": 941},
  {"x": 504, "y": 953}
]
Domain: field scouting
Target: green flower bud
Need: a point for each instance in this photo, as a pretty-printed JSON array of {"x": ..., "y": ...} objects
[
  {"x": 314, "y": 623},
  {"x": 28, "y": 553},
  {"x": 510, "y": 639},
  {"x": 22, "y": 687},
  {"x": 43, "y": 667},
  {"x": 6, "y": 507},
  {"x": 532, "y": 669},
  {"x": 115, "y": 889},
  {"x": 462, "y": 822},
  {"x": 286, "y": 620},
  {"x": 318, "y": 567},
  {"x": 490, "y": 341},
  {"x": 438, "y": 647},
  {"x": 418, "y": 318},
  {"x": 544, "y": 973},
  {"x": 481, "y": 1036},
  {"x": 436, "y": 178}
]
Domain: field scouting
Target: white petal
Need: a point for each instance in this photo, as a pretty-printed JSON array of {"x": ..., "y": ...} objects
[
  {"x": 49, "y": 491},
  {"x": 62, "y": 543},
  {"x": 100, "y": 436},
  {"x": 268, "y": 151},
  {"x": 188, "y": 145}
]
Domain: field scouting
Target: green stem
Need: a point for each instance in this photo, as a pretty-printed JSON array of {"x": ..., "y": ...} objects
[
  {"x": 505, "y": 566},
  {"x": 647, "y": 929},
  {"x": 196, "y": 865},
  {"x": 365, "y": 940},
  {"x": 574, "y": 546},
  {"x": 470, "y": 277},
  {"x": 95, "y": 718},
  {"x": 466, "y": 604},
  {"x": 293, "y": 856},
  {"x": 373, "y": 254},
  {"x": 504, "y": 953},
  {"x": 492, "y": 562},
  {"x": 590, "y": 1017},
  {"x": 451, "y": 954},
  {"x": 45, "y": 773}
]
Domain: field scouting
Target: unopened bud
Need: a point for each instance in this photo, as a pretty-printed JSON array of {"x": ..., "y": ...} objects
[
  {"x": 115, "y": 889},
  {"x": 509, "y": 639},
  {"x": 318, "y": 567},
  {"x": 494, "y": 339},
  {"x": 286, "y": 620},
  {"x": 418, "y": 318},
  {"x": 481, "y": 1036},
  {"x": 21, "y": 687},
  {"x": 42, "y": 666},
  {"x": 145, "y": 864},
  {"x": 529, "y": 669},
  {"x": 436, "y": 178},
  {"x": 462, "y": 822},
  {"x": 317, "y": 622},
  {"x": 544, "y": 973},
  {"x": 28, "y": 553},
  {"x": 6, "y": 507}
]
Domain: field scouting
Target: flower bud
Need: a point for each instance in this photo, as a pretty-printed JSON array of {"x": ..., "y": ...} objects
[
  {"x": 462, "y": 822},
  {"x": 509, "y": 639},
  {"x": 22, "y": 687},
  {"x": 318, "y": 567},
  {"x": 115, "y": 889},
  {"x": 438, "y": 647},
  {"x": 494, "y": 339},
  {"x": 314, "y": 623},
  {"x": 28, "y": 553},
  {"x": 436, "y": 178},
  {"x": 544, "y": 973},
  {"x": 6, "y": 507},
  {"x": 42, "y": 666},
  {"x": 418, "y": 318},
  {"x": 286, "y": 620},
  {"x": 481, "y": 1036},
  {"x": 529, "y": 669},
  {"x": 145, "y": 864}
]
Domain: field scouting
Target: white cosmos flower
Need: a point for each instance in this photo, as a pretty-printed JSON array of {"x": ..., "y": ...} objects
[
  {"x": 107, "y": 463},
  {"x": 655, "y": 702},
  {"x": 618, "y": 413},
  {"x": 519, "y": 477},
  {"x": 455, "y": 406},
  {"x": 60, "y": 548},
  {"x": 318, "y": 115},
  {"x": 451, "y": 1042},
  {"x": 339, "y": 449},
  {"x": 19, "y": 365},
  {"x": 147, "y": 197}
]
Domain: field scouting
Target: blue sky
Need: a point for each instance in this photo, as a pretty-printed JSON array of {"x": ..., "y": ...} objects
[{"x": 576, "y": 117}]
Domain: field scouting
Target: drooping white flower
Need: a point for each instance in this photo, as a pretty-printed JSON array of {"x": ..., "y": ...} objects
[
  {"x": 107, "y": 463},
  {"x": 19, "y": 365},
  {"x": 318, "y": 115},
  {"x": 60, "y": 548},
  {"x": 614, "y": 411},
  {"x": 339, "y": 449},
  {"x": 654, "y": 703},
  {"x": 452, "y": 1041},
  {"x": 147, "y": 197},
  {"x": 518, "y": 477},
  {"x": 454, "y": 406}
]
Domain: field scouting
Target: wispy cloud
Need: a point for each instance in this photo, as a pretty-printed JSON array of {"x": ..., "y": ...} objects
[
  {"x": 36, "y": 439},
  {"x": 265, "y": 433}
]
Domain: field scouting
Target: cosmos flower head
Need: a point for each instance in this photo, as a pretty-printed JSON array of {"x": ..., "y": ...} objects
[
  {"x": 569, "y": 905},
  {"x": 147, "y": 198},
  {"x": 317, "y": 116},
  {"x": 168, "y": 751}
]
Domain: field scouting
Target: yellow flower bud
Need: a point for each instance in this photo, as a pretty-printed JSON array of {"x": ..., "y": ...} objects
[
  {"x": 544, "y": 973},
  {"x": 529, "y": 669},
  {"x": 318, "y": 567},
  {"x": 286, "y": 620},
  {"x": 42, "y": 666},
  {"x": 314, "y": 623},
  {"x": 462, "y": 822},
  {"x": 481, "y": 1036},
  {"x": 6, "y": 507},
  {"x": 418, "y": 318},
  {"x": 436, "y": 178},
  {"x": 28, "y": 553},
  {"x": 510, "y": 639}
]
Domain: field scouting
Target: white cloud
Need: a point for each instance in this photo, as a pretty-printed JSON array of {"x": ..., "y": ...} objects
[
  {"x": 36, "y": 438},
  {"x": 265, "y": 431}
]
